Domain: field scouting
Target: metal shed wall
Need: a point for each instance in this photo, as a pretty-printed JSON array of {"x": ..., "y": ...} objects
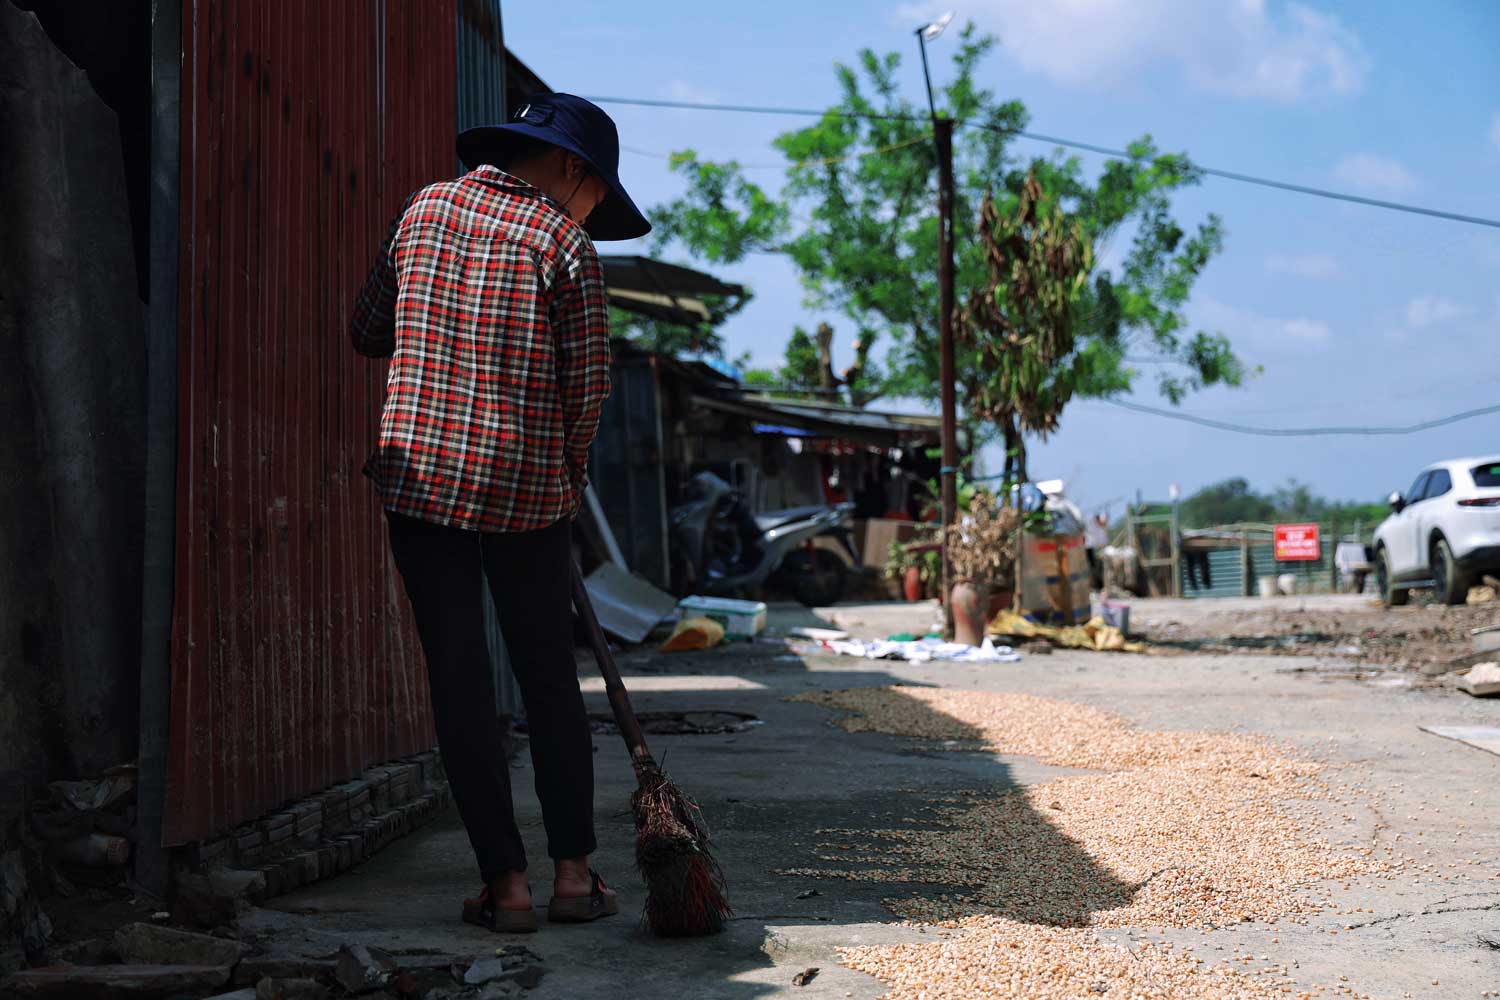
[{"x": 294, "y": 664}]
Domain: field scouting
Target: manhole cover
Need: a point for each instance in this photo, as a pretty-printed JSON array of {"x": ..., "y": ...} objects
[{"x": 704, "y": 723}]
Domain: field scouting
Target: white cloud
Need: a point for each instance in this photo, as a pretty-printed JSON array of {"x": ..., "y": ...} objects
[
  {"x": 1495, "y": 130},
  {"x": 1256, "y": 331},
  {"x": 1243, "y": 48},
  {"x": 1376, "y": 174},
  {"x": 1313, "y": 265},
  {"x": 684, "y": 90},
  {"x": 1306, "y": 329},
  {"x": 1429, "y": 310}
]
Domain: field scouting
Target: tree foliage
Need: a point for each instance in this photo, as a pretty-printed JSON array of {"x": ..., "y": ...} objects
[
  {"x": 858, "y": 217},
  {"x": 1233, "y": 501},
  {"x": 807, "y": 370},
  {"x": 1018, "y": 329}
]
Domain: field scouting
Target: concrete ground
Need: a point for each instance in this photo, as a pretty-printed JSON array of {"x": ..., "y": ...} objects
[{"x": 767, "y": 790}]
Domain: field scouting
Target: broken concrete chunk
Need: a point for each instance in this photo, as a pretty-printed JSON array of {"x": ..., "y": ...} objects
[
  {"x": 152, "y": 944},
  {"x": 1482, "y": 680},
  {"x": 485, "y": 970},
  {"x": 362, "y": 969},
  {"x": 106, "y": 982}
]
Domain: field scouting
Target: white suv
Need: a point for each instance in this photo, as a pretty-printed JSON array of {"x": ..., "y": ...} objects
[{"x": 1443, "y": 533}]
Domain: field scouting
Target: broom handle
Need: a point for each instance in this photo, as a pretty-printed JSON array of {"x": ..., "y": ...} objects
[{"x": 619, "y": 698}]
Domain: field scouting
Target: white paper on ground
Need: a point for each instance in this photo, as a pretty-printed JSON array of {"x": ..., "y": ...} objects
[{"x": 923, "y": 650}]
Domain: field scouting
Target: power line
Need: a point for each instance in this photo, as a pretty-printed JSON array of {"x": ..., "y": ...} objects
[
  {"x": 1233, "y": 175},
  {"x": 784, "y": 165},
  {"x": 1303, "y": 431}
]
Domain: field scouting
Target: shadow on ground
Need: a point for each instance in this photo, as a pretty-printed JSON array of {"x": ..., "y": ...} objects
[{"x": 785, "y": 796}]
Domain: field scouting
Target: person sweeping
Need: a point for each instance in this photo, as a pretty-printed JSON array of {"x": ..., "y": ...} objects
[{"x": 489, "y": 299}]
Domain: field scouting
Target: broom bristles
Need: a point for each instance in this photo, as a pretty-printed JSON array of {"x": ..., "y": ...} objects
[{"x": 685, "y": 894}]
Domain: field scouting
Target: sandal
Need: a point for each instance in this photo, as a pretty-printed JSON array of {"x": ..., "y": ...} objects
[
  {"x": 485, "y": 914},
  {"x": 582, "y": 909}
]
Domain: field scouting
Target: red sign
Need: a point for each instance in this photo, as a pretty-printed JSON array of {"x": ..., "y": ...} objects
[{"x": 1297, "y": 543}]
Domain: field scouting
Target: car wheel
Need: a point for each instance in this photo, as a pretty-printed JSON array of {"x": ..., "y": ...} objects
[
  {"x": 1452, "y": 585},
  {"x": 1390, "y": 595}
]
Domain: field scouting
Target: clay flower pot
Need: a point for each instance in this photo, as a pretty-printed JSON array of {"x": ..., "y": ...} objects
[
  {"x": 971, "y": 604},
  {"x": 911, "y": 583}
]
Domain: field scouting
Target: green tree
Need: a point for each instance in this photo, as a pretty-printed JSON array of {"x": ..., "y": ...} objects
[
  {"x": 1229, "y": 502},
  {"x": 807, "y": 370},
  {"x": 1233, "y": 501},
  {"x": 864, "y": 237},
  {"x": 1018, "y": 333}
]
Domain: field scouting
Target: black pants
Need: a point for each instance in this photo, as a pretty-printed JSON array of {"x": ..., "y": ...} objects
[{"x": 529, "y": 576}]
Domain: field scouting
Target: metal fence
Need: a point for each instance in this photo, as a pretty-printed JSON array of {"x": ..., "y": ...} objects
[{"x": 294, "y": 664}]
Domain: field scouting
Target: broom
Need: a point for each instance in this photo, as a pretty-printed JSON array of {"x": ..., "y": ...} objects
[{"x": 684, "y": 885}]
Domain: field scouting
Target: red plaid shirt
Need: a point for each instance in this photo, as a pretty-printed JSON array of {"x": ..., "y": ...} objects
[{"x": 490, "y": 303}]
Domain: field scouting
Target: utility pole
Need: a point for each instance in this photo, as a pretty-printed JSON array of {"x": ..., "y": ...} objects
[
  {"x": 942, "y": 137},
  {"x": 943, "y": 134}
]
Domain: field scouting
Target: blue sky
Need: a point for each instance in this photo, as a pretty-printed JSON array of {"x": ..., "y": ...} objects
[{"x": 1358, "y": 316}]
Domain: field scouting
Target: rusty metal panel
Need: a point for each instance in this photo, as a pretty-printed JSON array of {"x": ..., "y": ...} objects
[
  {"x": 294, "y": 662},
  {"x": 481, "y": 64}
]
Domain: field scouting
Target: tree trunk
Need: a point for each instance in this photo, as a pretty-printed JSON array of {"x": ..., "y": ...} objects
[{"x": 1015, "y": 450}]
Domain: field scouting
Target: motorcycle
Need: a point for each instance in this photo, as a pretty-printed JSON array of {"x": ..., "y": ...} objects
[{"x": 720, "y": 547}]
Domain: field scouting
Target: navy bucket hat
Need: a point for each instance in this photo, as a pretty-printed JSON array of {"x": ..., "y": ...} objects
[{"x": 580, "y": 127}]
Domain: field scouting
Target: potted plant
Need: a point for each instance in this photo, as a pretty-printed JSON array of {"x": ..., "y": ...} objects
[
  {"x": 982, "y": 548},
  {"x": 916, "y": 566},
  {"x": 905, "y": 567}
]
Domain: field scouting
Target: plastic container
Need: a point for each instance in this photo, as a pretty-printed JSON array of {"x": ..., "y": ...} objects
[
  {"x": 739, "y": 618},
  {"x": 1115, "y": 614},
  {"x": 1287, "y": 584},
  {"x": 1267, "y": 585}
]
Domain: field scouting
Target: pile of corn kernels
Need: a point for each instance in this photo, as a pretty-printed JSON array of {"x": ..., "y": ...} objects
[{"x": 1174, "y": 829}]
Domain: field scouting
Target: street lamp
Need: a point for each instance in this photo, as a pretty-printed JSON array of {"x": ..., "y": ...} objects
[
  {"x": 929, "y": 33},
  {"x": 942, "y": 136}
]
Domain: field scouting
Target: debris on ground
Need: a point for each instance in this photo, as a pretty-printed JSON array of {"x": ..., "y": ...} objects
[
  {"x": 164, "y": 961},
  {"x": 818, "y": 634},
  {"x": 806, "y": 976},
  {"x": 693, "y": 634},
  {"x": 362, "y": 969},
  {"x": 1179, "y": 829},
  {"x": 153, "y": 944},
  {"x": 85, "y": 982},
  {"x": 1482, "y": 680},
  {"x": 1414, "y": 637},
  {"x": 915, "y": 650},
  {"x": 1095, "y": 634}
]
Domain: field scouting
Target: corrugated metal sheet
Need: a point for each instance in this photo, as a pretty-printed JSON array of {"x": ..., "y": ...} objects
[
  {"x": 481, "y": 64},
  {"x": 304, "y": 126},
  {"x": 1226, "y": 577}
]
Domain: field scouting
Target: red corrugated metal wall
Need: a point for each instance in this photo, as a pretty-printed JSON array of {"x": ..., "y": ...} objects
[{"x": 304, "y": 126}]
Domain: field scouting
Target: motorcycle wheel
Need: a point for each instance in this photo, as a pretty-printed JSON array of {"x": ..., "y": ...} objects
[{"x": 815, "y": 580}]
